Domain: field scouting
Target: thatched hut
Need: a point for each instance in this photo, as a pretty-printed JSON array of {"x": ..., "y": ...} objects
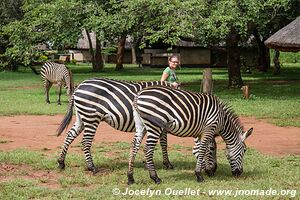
[{"x": 287, "y": 38}]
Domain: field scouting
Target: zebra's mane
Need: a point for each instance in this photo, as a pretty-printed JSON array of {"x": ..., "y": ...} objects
[
  {"x": 112, "y": 79},
  {"x": 161, "y": 83},
  {"x": 232, "y": 115},
  {"x": 121, "y": 80}
]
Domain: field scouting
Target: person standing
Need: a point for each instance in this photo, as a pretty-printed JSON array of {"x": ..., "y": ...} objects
[{"x": 169, "y": 73}]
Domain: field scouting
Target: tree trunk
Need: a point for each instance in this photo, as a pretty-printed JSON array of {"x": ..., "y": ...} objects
[
  {"x": 96, "y": 56},
  {"x": 99, "y": 64},
  {"x": 120, "y": 53},
  {"x": 233, "y": 59},
  {"x": 263, "y": 53},
  {"x": 276, "y": 63},
  {"x": 133, "y": 53},
  {"x": 91, "y": 50},
  {"x": 207, "y": 81}
]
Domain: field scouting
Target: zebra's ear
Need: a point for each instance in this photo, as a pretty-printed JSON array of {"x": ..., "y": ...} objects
[{"x": 247, "y": 134}]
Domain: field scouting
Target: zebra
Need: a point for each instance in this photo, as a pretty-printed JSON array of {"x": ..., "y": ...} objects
[
  {"x": 210, "y": 157},
  {"x": 108, "y": 100},
  {"x": 58, "y": 74},
  {"x": 187, "y": 114}
]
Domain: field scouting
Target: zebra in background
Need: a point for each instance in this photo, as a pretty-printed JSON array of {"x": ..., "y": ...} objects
[
  {"x": 107, "y": 100},
  {"x": 54, "y": 73},
  {"x": 187, "y": 114}
]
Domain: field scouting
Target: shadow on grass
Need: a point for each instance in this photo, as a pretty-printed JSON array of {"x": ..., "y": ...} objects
[{"x": 183, "y": 171}]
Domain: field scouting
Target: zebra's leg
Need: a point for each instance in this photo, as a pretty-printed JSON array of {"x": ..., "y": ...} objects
[
  {"x": 72, "y": 134},
  {"x": 88, "y": 136},
  {"x": 210, "y": 157},
  {"x": 203, "y": 142},
  {"x": 164, "y": 148},
  {"x": 48, "y": 85},
  {"x": 59, "y": 93},
  {"x": 149, "y": 150},
  {"x": 136, "y": 142},
  {"x": 135, "y": 146}
]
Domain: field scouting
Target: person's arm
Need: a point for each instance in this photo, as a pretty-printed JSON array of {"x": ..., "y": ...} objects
[{"x": 164, "y": 76}]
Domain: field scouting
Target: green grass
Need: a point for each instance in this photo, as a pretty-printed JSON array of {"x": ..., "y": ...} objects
[
  {"x": 23, "y": 178},
  {"x": 34, "y": 175},
  {"x": 275, "y": 98}
]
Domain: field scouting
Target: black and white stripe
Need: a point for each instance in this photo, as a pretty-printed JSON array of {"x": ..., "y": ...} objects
[
  {"x": 187, "y": 114},
  {"x": 210, "y": 157},
  {"x": 54, "y": 73},
  {"x": 101, "y": 99}
]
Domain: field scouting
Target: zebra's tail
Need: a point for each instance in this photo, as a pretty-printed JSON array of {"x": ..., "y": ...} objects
[{"x": 67, "y": 119}]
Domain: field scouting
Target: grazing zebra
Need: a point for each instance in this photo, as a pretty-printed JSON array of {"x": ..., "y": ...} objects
[
  {"x": 58, "y": 74},
  {"x": 108, "y": 100},
  {"x": 187, "y": 114}
]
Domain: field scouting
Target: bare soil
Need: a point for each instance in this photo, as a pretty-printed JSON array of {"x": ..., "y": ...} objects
[{"x": 38, "y": 133}]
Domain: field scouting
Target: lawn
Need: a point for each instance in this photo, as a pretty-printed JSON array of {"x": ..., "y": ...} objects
[
  {"x": 28, "y": 174},
  {"x": 275, "y": 98},
  {"x": 34, "y": 175}
]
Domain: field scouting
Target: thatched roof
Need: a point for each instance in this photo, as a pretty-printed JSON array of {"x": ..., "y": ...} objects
[
  {"x": 83, "y": 42},
  {"x": 287, "y": 38}
]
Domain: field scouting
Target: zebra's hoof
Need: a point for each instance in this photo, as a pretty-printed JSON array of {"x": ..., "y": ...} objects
[
  {"x": 130, "y": 182},
  {"x": 61, "y": 164},
  {"x": 210, "y": 172},
  {"x": 237, "y": 172},
  {"x": 168, "y": 165},
  {"x": 199, "y": 177},
  {"x": 93, "y": 169},
  {"x": 130, "y": 178},
  {"x": 156, "y": 180}
]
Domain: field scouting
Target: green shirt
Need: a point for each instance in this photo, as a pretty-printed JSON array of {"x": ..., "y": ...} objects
[{"x": 172, "y": 76}]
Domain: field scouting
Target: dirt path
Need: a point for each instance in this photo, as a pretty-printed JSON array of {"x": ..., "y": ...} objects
[{"x": 38, "y": 133}]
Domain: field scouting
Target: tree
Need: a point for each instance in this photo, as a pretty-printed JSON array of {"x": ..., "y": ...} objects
[
  {"x": 58, "y": 23},
  {"x": 229, "y": 21},
  {"x": 10, "y": 10},
  {"x": 273, "y": 16}
]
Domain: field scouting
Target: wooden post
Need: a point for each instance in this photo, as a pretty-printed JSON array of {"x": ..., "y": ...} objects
[
  {"x": 207, "y": 81},
  {"x": 246, "y": 91}
]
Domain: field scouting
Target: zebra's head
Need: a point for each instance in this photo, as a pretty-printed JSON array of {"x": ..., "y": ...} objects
[{"x": 235, "y": 154}]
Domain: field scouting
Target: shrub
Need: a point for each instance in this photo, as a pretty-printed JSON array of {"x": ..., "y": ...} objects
[
  {"x": 73, "y": 61},
  {"x": 43, "y": 58}
]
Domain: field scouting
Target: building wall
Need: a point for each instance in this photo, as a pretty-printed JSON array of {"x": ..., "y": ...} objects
[
  {"x": 126, "y": 60},
  {"x": 189, "y": 57},
  {"x": 195, "y": 56}
]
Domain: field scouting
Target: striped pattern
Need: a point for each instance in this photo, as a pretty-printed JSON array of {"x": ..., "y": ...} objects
[
  {"x": 100, "y": 99},
  {"x": 210, "y": 157},
  {"x": 187, "y": 114},
  {"x": 53, "y": 73}
]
